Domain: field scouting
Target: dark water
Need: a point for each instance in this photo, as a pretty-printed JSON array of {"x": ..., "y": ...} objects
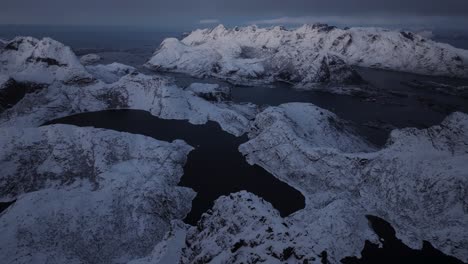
[
  {"x": 217, "y": 168},
  {"x": 398, "y": 106},
  {"x": 129, "y": 45},
  {"x": 214, "y": 168},
  {"x": 394, "y": 251},
  {"x": 4, "y": 206}
]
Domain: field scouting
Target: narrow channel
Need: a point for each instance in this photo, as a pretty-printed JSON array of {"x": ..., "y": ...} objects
[{"x": 214, "y": 168}]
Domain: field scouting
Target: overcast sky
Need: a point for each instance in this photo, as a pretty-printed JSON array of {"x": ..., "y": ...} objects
[{"x": 194, "y": 13}]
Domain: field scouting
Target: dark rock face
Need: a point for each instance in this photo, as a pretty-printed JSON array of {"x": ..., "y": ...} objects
[
  {"x": 213, "y": 92},
  {"x": 47, "y": 61},
  {"x": 16, "y": 43},
  {"x": 323, "y": 27},
  {"x": 441, "y": 88},
  {"x": 407, "y": 35},
  {"x": 12, "y": 92},
  {"x": 334, "y": 70}
]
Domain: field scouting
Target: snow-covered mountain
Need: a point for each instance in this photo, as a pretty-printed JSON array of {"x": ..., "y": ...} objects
[
  {"x": 41, "y": 61},
  {"x": 86, "y": 195},
  {"x": 155, "y": 94},
  {"x": 110, "y": 73},
  {"x": 73, "y": 88},
  {"x": 91, "y": 195},
  {"x": 417, "y": 182},
  {"x": 305, "y": 56}
]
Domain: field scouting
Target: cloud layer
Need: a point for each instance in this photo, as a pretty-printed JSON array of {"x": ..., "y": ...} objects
[{"x": 186, "y": 13}]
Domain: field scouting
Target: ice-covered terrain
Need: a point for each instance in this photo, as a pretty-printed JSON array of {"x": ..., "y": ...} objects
[
  {"x": 417, "y": 182},
  {"x": 110, "y": 73},
  {"x": 305, "y": 56},
  {"x": 113, "y": 86},
  {"x": 87, "y": 195},
  {"x": 89, "y": 59},
  {"x": 92, "y": 195},
  {"x": 154, "y": 94},
  {"x": 248, "y": 57},
  {"x": 41, "y": 61},
  {"x": 4, "y": 79}
]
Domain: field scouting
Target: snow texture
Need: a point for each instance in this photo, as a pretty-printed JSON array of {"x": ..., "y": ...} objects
[
  {"x": 4, "y": 80},
  {"x": 114, "y": 86},
  {"x": 90, "y": 59},
  {"x": 417, "y": 182},
  {"x": 3, "y": 43},
  {"x": 87, "y": 195},
  {"x": 246, "y": 56},
  {"x": 154, "y": 94},
  {"x": 305, "y": 56},
  {"x": 110, "y": 73},
  {"x": 41, "y": 61}
]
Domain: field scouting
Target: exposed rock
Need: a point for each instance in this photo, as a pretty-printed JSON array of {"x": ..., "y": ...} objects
[
  {"x": 210, "y": 92},
  {"x": 110, "y": 73},
  {"x": 90, "y": 59},
  {"x": 245, "y": 57},
  {"x": 440, "y": 88},
  {"x": 27, "y": 59},
  {"x": 12, "y": 91},
  {"x": 87, "y": 195},
  {"x": 241, "y": 228},
  {"x": 305, "y": 56}
]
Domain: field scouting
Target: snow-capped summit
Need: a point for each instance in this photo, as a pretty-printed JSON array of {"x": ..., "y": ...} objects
[
  {"x": 251, "y": 54},
  {"x": 41, "y": 61}
]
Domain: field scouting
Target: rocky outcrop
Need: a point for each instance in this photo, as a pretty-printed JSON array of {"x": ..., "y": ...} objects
[
  {"x": 90, "y": 59},
  {"x": 27, "y": 59},
  {"x": 241, "y": 228},
  {"x": 305, "y": 56},
  {"x": 110, "y": 73},
  {"x": 210, "y": 92},
  {"x": 242, "y": 59},
  {"x": 442, "y": 88}
]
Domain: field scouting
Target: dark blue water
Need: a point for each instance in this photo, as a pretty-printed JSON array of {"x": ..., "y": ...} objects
[
  {"x": 128, "y": 45},
  {"x": 214, "y": 168}
]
